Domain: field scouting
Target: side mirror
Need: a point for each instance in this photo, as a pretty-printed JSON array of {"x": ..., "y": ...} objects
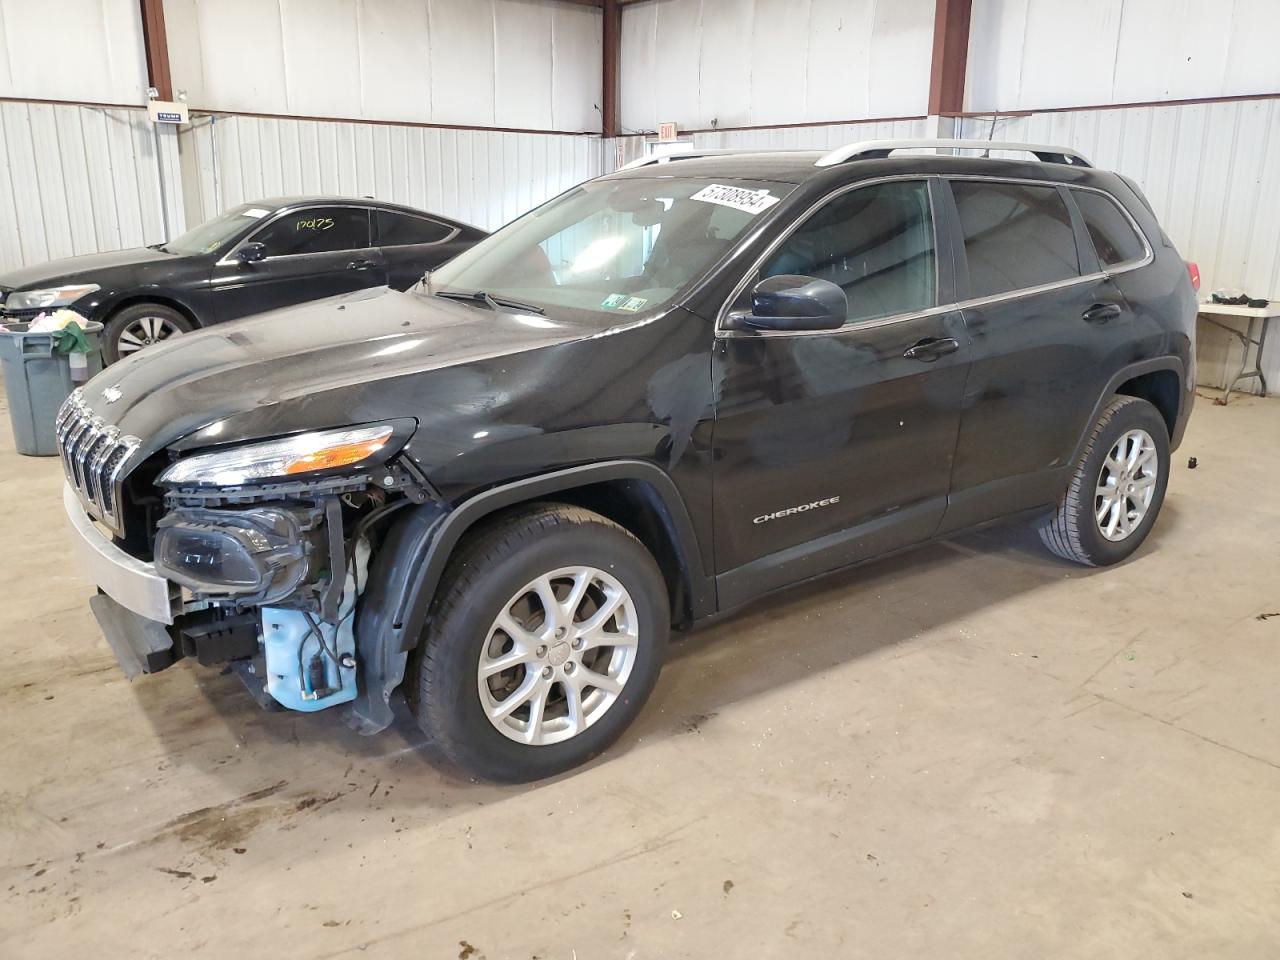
[
  {"x": 251, "y": 253},
  {"x": 791, "y": 302}
]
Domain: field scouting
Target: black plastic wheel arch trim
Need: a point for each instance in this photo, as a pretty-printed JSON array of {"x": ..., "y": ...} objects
[{"x": 408, "y": 568}]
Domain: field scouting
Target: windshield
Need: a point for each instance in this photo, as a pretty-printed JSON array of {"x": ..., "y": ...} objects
[
  {"x": 614, "y": 246},
  {"x": 212, "y": 234}
]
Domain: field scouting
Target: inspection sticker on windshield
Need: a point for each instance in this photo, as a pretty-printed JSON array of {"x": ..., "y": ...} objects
[
  {"x": 740, "y": 198},
  {"x": 614, "y": 300}
]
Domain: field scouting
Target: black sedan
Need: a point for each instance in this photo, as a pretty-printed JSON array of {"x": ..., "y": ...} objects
[{"x": 253, "y": 258}]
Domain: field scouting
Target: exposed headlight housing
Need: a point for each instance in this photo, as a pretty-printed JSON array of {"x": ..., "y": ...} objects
[
  {"x": 304, "y": 453},
  {"x": 49, "y": 296}
]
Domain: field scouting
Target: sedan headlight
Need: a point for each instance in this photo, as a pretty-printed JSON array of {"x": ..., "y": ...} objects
[
  {"x": 49, "y": 296},
  {"x": 280, "y": 459}
]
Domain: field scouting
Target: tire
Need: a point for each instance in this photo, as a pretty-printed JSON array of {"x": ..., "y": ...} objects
[
  {"x": 1096, "y": 529},
  {"x": 494, "y": 572},
  {"x": 140, "y": 325}
]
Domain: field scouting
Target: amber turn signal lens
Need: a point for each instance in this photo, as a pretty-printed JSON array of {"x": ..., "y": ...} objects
[{"x": 339, "y": 456}]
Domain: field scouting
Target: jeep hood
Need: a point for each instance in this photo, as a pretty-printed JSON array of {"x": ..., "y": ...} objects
[{"x": 348, "y": 359}]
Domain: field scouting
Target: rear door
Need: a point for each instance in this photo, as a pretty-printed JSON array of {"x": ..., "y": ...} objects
[
  {"x": 1043, "y": 320},
  {"x": 311, "y": 253},
  {"x": 833, "y": 446},
  {"x": 411, "y": 245}
]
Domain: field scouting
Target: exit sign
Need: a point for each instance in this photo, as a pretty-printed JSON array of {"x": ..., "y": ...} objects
[{"x": 667, "y": 133}]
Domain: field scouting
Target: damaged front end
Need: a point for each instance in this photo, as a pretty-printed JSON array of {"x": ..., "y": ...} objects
[{"x": 267, "y": 549}]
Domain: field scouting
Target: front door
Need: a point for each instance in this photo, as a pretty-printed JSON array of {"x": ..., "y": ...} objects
[
  {"x": 310, "y": 253},
  {"x": 835, "y": 446}
]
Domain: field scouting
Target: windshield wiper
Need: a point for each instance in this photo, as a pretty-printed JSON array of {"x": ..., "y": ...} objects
[{"x": 494, "y": 303}]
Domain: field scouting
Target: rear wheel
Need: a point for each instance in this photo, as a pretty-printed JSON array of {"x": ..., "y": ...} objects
[
  {"x": 547, "y": 640},
  {"x": 1117, "y": 489},
  {"x": 141, "y": 325}
]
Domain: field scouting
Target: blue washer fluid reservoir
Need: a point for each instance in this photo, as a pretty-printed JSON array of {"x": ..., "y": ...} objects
[{"x": 302, "y": 672}]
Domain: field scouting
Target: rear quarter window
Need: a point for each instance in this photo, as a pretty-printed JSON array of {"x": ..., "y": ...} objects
[{"x": 1114, "y": 238}]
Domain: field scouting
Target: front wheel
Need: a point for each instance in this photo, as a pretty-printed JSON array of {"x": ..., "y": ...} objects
[
  {"x": 547, "y": 640},
  {"x": 1117, "y": 488}
]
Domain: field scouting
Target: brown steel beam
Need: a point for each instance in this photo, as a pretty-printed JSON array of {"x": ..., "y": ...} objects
[
  {"x": 950, "y": 57},
  {"x": 612, "y": 30},
  {"x": 157, "y": 47}
]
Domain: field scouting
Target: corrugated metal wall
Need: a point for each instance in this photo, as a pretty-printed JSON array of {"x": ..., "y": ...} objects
[
  {"x": 530, "y": 64},
  {"x": 78, "y": 179},
  {"x": 82, "y": 50},
  {"x": 1038, "y": 54},
  {"x": 482, "y": 177},
  {"x": 736, "y": 63}
]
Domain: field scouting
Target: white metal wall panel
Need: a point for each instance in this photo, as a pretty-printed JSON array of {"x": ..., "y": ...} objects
[
  {"x": 528, "y": 64},
  {"x": 1038, "y": 54},
  {"x": 735, "y": 63},
  {"x": 78, "y": 180},
  {"x": 89, "y": 50},
  {"x": 479, "y": 176}
]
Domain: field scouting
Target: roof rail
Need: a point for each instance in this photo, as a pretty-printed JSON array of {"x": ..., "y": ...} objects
[
  {"x": 878, "y": 149},
  {"x": 681, "y": 155}
]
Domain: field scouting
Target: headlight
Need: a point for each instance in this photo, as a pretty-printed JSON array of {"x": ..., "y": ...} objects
[
  {"x": 48, "y": 297},
  {"x": 279, "y": 459}
]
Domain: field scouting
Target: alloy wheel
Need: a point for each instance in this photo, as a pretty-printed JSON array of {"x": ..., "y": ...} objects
[
  {"x": 1126, "y": 485},
  {"x": 558, "y": 655},
  {"x": 145, "y": 331}
]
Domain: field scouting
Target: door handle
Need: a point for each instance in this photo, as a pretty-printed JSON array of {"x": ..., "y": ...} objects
[
  {"x": 931, "y": 348},
  {"x": 361, "y": 265},
  {"x": 1101, "y": 313}
]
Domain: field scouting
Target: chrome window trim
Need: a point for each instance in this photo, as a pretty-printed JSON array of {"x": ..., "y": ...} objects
[
  {"x": 229, "y": 259},
  {"x": 924, "y": 178},
  {"x": 959, "y": 305}
]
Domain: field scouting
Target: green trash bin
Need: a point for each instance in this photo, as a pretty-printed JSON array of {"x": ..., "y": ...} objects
[{"x": 37, "y": 378}]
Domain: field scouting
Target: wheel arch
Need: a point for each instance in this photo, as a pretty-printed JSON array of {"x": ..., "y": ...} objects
[
  {"x": 1144, "y": 379},
  {"x": 163, "y": 300},
  {"x": 407, "y": 570}
]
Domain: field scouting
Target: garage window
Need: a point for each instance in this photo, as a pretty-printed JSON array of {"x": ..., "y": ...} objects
[
  {"x": 1015, "y": 236},
  {"x": 1112, "y": 234},
  {"x": 316, "y": 230}
]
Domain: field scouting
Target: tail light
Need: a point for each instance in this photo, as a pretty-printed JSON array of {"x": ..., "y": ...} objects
[{"x": 1193, "y": 270}]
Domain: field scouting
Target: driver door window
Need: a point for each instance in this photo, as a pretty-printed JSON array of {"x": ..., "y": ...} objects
[
  {"x": 876, "y": 243},
  {"x": 316, "y": 230}
]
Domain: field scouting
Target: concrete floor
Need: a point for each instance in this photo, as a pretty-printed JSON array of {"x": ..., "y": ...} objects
[{"x": 971, "y": 751}]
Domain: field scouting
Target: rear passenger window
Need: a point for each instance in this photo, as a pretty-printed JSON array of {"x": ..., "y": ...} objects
[
  {"x": 875, "y": 243},
  {"x": 1015, "y": 236},
  {"x": 400, "y": 229},
  {"x": 1112, "y": 234}
]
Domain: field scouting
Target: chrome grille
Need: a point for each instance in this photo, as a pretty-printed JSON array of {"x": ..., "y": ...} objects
[{"x": 93, "y": 458}]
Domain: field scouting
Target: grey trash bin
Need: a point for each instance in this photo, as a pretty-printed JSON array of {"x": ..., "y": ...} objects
[{"x": 36, "y": 380}]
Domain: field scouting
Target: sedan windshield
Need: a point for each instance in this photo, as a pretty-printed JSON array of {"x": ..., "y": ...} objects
[
  {"x": 212, "y": 234},
  {"x": 615, "y": 246}
]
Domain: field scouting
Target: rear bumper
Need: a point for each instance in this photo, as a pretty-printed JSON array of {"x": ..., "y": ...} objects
[{"x": 130, "y": 582}]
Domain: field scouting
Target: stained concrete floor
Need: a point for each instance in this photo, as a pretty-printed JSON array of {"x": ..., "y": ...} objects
[{"x": 971, "y": 751}]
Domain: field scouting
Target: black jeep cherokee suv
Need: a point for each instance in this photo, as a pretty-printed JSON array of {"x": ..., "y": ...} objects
[{"x": 662, "y": 394}]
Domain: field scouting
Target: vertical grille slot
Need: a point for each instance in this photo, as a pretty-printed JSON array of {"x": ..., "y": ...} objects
[{"x": 94, "y": 456}]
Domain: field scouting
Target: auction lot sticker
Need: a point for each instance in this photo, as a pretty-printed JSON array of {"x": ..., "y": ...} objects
[{"x": 740, "y": 198}]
